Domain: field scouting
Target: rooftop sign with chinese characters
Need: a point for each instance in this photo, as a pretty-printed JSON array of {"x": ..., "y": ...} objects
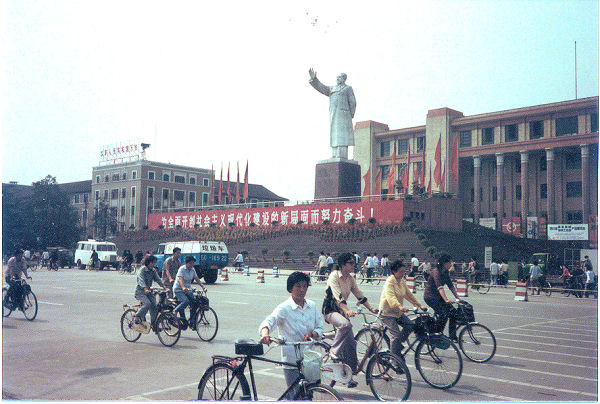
[
  {"x": 335, "y": 213},
  {"x": 119, "y": 153}
]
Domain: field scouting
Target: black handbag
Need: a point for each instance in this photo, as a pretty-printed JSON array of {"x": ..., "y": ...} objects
[{"x": 329, "y": 303}]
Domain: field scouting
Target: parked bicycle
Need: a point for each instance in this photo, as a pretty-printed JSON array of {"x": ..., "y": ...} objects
[
  {"x": 225, "y": 378},
  {"x": 437, "y": 358},
  {"x": 482, "y": 283},
  {"x": 543, "y": 286},
  {"x": 375, "y": 278},
  {"x": 26, "y": 302},
  {"x": 476, "y": 341},
  {"x": 386, "y": 374},
  {"x": 166, "y": 325}
]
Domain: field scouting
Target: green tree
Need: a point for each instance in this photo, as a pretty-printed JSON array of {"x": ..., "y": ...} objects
[
  {"x": 15, "y": 225},
  {"x": 104, "y": 220}
]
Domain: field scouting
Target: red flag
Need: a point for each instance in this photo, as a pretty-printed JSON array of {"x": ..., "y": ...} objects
[
  {"x": 220, "y": 196},
  {"x": 443, "y": 183},
  {"x": 367, "y": 189},
  {"x": 212, "y": 183},
  {"x": 237, "y": 184},
  {"x": 392, "y": 174},
  {"x": 429, "y": 186},
  {"x": 422, "y": 179},
  {"x": 227, "y": 185},
  {"x": 245, "y": 195},
  {"x": 406, "y": 173},
  {"x": 437, "y": 171},
  {"x": 378, "y": 184},
  {"x": 454, "y": 160}
]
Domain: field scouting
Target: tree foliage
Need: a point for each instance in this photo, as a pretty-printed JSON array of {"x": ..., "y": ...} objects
[{"x": 104, "y": 220}]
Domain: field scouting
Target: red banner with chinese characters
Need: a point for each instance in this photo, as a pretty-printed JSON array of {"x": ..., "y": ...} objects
[
  {"x": 593, "y": 231},
  {"x": 512, "y": 225},
  {"x": 335, "y": 213},
  {"x": 542, "y": 228}
]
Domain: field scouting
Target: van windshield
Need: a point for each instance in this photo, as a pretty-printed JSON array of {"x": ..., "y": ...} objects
[
  {"x": 105, "y": 247},
  {"x": 160, "y": 249}
]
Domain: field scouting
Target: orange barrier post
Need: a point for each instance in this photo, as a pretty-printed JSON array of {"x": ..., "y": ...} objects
[
  {"x": 224, "y": 276},
  {"x": 260, "y": 278},
  {"x": 521, "y": 292},
  {"x": 410, "y": 282},
  {"x": 461, "y": 288}
]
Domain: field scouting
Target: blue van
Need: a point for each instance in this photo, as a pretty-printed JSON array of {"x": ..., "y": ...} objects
[{"x": 210, "y": 256}]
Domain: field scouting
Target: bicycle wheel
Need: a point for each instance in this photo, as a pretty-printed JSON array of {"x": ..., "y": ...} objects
[
  {"x": 127, "y": 326},
  {"x": 168, "y": 328},
  {"x": 364, "y": 339},
  {"x": 222, "y": 382},
  {"x": 439, "y": 367},
  {"x": 317, "y": 392},
  {"x": 361, "y": 276},
  {"x": 388, "y": 377},
  {"x": 5, "y": 303},
  {"x": 477, "y": 342},
  {"x": 484, "y": 287},
  {"x": 30, "y": 306},
  {"x": 547, "y": 288},
  {"x": 420, "y": 282},
  {"x": 207, "y": 324}
]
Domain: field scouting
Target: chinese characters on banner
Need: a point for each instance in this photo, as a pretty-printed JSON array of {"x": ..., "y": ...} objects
[
  {"x": 568, "y": 232},
  {"x": 335, "y": 213},
  {"x": 542, "y": 232},
  {"x": 512, "y": 225}
]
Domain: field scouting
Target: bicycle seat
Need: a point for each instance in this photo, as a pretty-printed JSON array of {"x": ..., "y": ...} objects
[{"x": 248, "y": 347}]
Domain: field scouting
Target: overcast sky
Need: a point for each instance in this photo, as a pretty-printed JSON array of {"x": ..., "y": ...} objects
[{"x": 216, "y": 82}]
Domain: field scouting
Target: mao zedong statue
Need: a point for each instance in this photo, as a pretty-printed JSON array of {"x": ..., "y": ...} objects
[{"x": 342, "y": 106}]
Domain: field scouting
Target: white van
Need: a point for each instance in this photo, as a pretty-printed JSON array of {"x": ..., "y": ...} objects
[{"x": 107, "y": 253}]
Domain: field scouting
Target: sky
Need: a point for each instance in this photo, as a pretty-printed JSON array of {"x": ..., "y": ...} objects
[{"x": 211, "y": 83}]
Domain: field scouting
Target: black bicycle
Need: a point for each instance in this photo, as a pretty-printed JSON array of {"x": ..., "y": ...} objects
[
  {"x": 26, "y": 302},
  {"x": 476, "y": 341},
  {"x": 225, "y": 378},
  {"x": 127, "y": 268},
  {"x": 203, "y": 319},
  {"x": 166, "y": 325}
]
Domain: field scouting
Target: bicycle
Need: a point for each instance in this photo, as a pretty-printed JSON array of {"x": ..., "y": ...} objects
[
  {"x": 166, "y": 325},
  {"x": 575, "y": 286},
  {"x": 225, "y": 378},
  {"x": 543, "y": 286},
  {"x": 386, "y": 374},
  {"x": 375, "y": 278},
  {"x": 27, "y": 302},
  {"x": 316, "y": 276},
  {"x": 203, "y": 319},
  {"x": 482, "y": 283},
  {"x": 127, "y": 268},
  {"x": 437, "y": 358},
  {"x": 476, "y": 341}
]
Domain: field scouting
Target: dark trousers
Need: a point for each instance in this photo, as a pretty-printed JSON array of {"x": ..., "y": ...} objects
[
  {"x": 400, "y": 328},
  {"x": 443, "y": 311},
  {"x": 15, "y": 290}
]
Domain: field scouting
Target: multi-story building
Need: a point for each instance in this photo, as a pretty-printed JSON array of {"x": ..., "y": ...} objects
[{"x": 535, "y": 161}]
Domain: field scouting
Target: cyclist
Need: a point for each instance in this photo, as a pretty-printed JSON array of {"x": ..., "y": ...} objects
[
  {"x": 170, "y": 268},
  {"x": 335, "y": 309},
  {"x": 535, "y": 277},
  {"x": 15, "y": 267},
  {"x": 329, "y": 261},
  {"x": 297, "y": 319},
  {"x": 145, "y": 277},
  {"x": 472, "y": 271},
  {"x": 45, "y": 259},
  {"x": 414, "y": 263},
  {"x": 436, "y": 298},
  {"x": 94, "y": 258},
  {"x": 53, "y": 260},
  {"x": 391, "y": 305},
  {"x": 239, "y": 261},
  {"x": 321, "y": 265},
  {"x": 185, "y": 275},
  {"x": 370, "y": 265}
]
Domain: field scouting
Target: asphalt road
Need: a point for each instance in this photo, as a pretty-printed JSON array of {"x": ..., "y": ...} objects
[{"x": 74, "y": 350}]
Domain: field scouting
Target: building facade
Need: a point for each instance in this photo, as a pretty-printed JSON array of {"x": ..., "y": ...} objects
[{"x": 538, "y": 161}]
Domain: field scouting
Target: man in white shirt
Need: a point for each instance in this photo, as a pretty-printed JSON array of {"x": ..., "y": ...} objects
[
  {"x": 369, "y": 264},
  {"x": 239, "y": 261},
  {"x": 297, "y": 319},
  {"x": 494, "y": 272},
  {"x": 414, "y": 262}
]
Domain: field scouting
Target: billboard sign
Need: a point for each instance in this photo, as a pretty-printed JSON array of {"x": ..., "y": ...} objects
[
  {"x": 489, "y": 222},
  {"x": 568, "y": 232},
  {"x": 532, "y": 227},
  {"x": 512, "y": 225},
  {"x": 488, "y": 257}
]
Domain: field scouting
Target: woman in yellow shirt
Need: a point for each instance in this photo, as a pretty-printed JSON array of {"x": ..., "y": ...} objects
[{"x": 392, "y": 309}]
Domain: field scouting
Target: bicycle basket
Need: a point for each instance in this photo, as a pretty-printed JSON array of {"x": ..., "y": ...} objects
[
  {"x": 311, "y": 365},
  {"x": 424, "y": 325},
  {"x": 248, "y": 347},
  {"x": 26, "y": 288},
  {"x": 464, "y": 313},
  {"x": 439, "y": 341},
  {"x": 203, "y": 302}
]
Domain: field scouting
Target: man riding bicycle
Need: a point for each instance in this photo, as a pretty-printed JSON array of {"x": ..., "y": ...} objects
[
  {"x": 183, "y": 281},
  {"x": 16, "y": 266}
]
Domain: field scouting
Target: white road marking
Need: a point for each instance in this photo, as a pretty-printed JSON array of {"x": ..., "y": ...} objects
[
  {"x": 230, "y": 302},
  {"x": 545, "y": 336},
  {"x": 521, "y": 358},
  {"x": 94, "y": 290},
  {"x": 543, "y": 352},
  {"x": 53, "y": 304}
]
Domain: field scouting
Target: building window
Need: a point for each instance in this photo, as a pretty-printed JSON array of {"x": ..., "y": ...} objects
[
  {"x": 574, "y": 217},
  {"x": 132, "y": 192},
  {"x": 494, "y": 194},
  {"x": 487, "y": 136},
  {"x": 178, "y": 196},
  {"x": 543, "y": 163},
  {"x": 106, "y": 178},
  {"x": 106, "y": 194},
  {"x": 206, "y": 182},
  {"x": 384, "y": 149},
  {"x": 115, "y": 177},
  {"x": 165, "y": 194},
  {"x": 420, "y": 144},
  {"x": 594, "y": 122},
  {"x": 573, "y": 161},
  {"x": 385, "y": 169},
  {"x": 76, "y": 198},
  {"x": 132, "y": 211},
  {"x": 97, "y": 179},
  {"x": 124, "y": 176},
  {"x": 166, "y": 177},
  {"x": 204, "y": 198},
  {"x": 480, "y": 194},
  {"x": 150, "y": 175},
  {"x": 192, "y": 198},
  {"x": 465, "y": 138},
  {"x": 113, "y": 212},
  {"x": 472, "y": 194},
  {"x": 123, "y": 192},
  {"x": 85, "y": 198},
  {"x": 511, "y": 133},
  {"x": 518, "y": 192},
  {"x": 566, "y": 126},
  {"x": 123, "y": 211},
  {"x": 543, "y": 191},
  {"x": 84, "y": 216},
  {"x": 180, "y": 179},
  {"x": 133, "y": 175},
  {"x": 403, "y": 146},
  {"x": 536, "y": 130},
  {"x": 503, "y": 193},
  {"x": 518, "y": 165},
  {"x": 573, "y": 189},
  {"x": 192, "y": 180},
  {"x": 97, "y": 195}
]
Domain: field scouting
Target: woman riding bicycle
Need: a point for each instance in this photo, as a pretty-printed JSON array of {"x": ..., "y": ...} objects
[
  {"x": 145, "y": 277},
  {"x": 15, "y": 267},
  {"x": 335, "y": 309},
  {"x": 436, "y": 298},
  {"x": 297, "y": 319},
  {"x": 183, "y": 281},
  {"x": 392, "y": 311}
]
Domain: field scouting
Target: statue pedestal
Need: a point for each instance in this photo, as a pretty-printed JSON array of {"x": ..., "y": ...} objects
[{"x": 337, "y": 178}]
